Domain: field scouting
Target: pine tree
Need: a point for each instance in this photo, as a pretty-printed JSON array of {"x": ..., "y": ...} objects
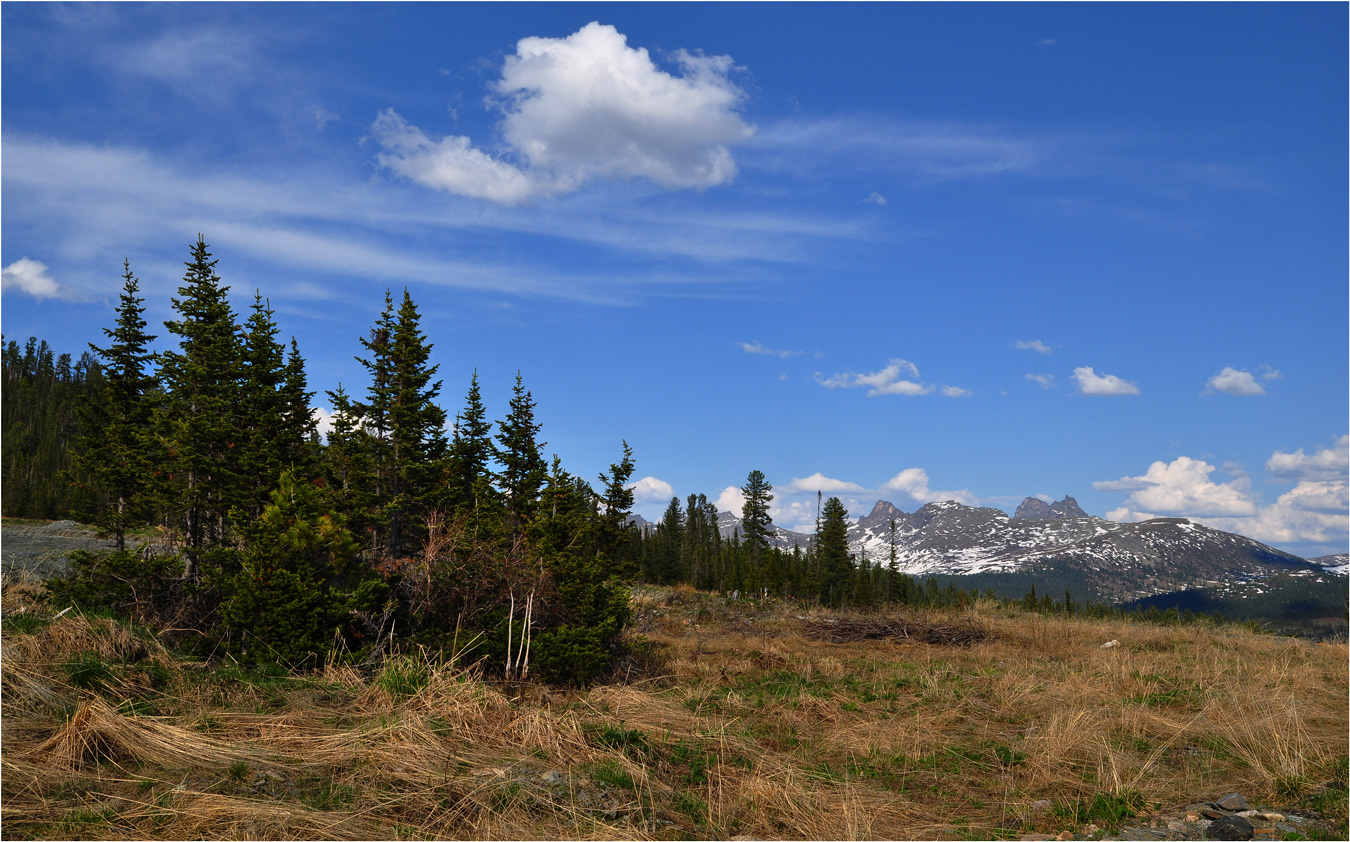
[
  {"x": 756, "y": 525},
  {"x": 471, "y": 453},
  {"x": 522, "y": 467},
  {"x": 349, "y": 467},
  {"x": 200, "y": 420},
  {"x": 667, "y": 566},
  {"x": 300, "y": 430},
  {"x": 836, "y": 568},
  {"x": 374, "y": 416},
  {"x": 416, "y": 425},
  {"x": 116, "y": 451},
  {"x": 262, "y": 406}
]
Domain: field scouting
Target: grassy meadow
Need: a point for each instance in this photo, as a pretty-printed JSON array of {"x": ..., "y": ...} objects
[{"x": 729, "y": 719}]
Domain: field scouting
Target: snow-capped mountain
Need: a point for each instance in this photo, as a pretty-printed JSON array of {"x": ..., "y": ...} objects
[
  {"x": 728, "y": 526},
  {"x": 1117, "y": 560},
  {"x": 1338, "y": 564}
]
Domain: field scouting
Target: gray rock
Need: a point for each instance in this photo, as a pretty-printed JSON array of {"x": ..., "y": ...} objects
[
  {"x": 1233, "y": 802},
  {"x": 1230, "y": 827}
]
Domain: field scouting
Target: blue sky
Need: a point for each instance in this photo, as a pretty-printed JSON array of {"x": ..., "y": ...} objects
[{"x": 912, "y": 252}]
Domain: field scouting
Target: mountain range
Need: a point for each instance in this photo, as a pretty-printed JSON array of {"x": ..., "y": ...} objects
[{"x": 1057, "y": 543}]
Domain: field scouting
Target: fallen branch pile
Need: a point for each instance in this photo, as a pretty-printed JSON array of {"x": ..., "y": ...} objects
[{"x": 853, "y": 629}]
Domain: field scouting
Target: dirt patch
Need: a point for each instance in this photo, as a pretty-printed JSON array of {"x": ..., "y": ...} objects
[{"x": 41, "y": 549}]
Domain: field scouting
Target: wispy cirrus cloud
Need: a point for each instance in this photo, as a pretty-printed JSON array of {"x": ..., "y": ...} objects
[
  {"x": 94, "y": 202},
  {"x": 757, "y": 348}
]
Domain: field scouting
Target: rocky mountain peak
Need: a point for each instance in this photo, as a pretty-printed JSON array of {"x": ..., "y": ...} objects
[
  {"x": 1034, "y": 508},
  {"x": 881, "y": 516}
]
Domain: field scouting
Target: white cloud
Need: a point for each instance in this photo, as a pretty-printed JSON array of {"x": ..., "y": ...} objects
[
  {"x": 579, "y": 108},
  {"x": 820, "y": 482},
  {"x": 450, "y": 164},
  {"x": 876, "y": 199},
  {"x": 322, "y": 116},
  {"x": 1326, "y": 464},
  {"x": 1091, "y": 383},
  {"x": 1045, "y": 381},
  {"x": 914, "y": 482},
  {"x": 1032, "y": 345},
  {"x": 1234, "y": 381},
  {"x": 888, "y": 381},
  {"x": 1315, "y": 510},
  {"x": 324, "y": 419},
  {"x": 732, "y": 499},
  {"x": 652, "y": 490},
  {"x": 1046, "y": 42},
  {"x": 1183, "y": 488},
  {"x": 956, "y": 392},
  {"x": 32, "y": 277},
  {"x": 756, "y": 348}
]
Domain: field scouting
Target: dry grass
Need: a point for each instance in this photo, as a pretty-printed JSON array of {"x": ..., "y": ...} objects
[{"x": 755, "y": 726}]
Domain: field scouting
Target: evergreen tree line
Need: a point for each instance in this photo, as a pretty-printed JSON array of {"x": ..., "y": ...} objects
[
  {"x": 686, "y": 547},
  {"x": 40, "y": 397},
  {"x": 236, "y": 526}
]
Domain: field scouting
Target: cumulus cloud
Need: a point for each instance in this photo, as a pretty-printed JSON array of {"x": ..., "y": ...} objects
[
  {"x": 1032, "y": 345},
  {"x": 1315, "y": 510},
  {"x": 652, "y": 490},
  {"x": 732, "y": 499},
  {"x": 914, "y": 482},
  {"x": 890, "y": 380},
  {"x": 756, "y": 348},
  {"x": 1045, "y": 381},
  {"x": 32, "y": 277},
  {"x": 956, "y": 392},
  {"x": 1091, "y": 383},
  {"x": 580, "y": 108},
  {"x": 1181, "y": 488},
  {"x": 820, "y": 482},
  {"x": 876, "y": 199},
  {"x": 1326, "y": 464},
  {"x": 324, "y": 419},
  {"x": 1234, "y": 381}
]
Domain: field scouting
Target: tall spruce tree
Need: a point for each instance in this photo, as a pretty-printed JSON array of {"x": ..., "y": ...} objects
[
  {"x": 200, "y": 420},
  {"x": 405, "y": 427},
  {"x": 471, "y": 452},
  {"x": 836, "y": 569},
  {"x": 522, "y": 467},
  {"x": 756, "y": 525},
  {"x": 266, "y": 450},
  {"x": 416, "y": 426},
  {"x": 116, "y": 451}
]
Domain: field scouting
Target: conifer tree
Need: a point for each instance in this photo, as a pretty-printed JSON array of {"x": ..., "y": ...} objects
[
  {"x": 756, "y": 525},
  {"x": 416, "y": 425},
  {"x": 522, "y": 467},
  {"x": 116, "y": 450},
  {"x": 348, "y": 464},
  {"x": 405, "y": 425},
  {"x": 374, "y": 416},
  {"x": 266, "y": 451},
  {"x": 301, "y": 431},
  {"x": 200, "y": 419},
  {"x": 836, "y": 568},
  {"x": 471, "y": 453}
]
